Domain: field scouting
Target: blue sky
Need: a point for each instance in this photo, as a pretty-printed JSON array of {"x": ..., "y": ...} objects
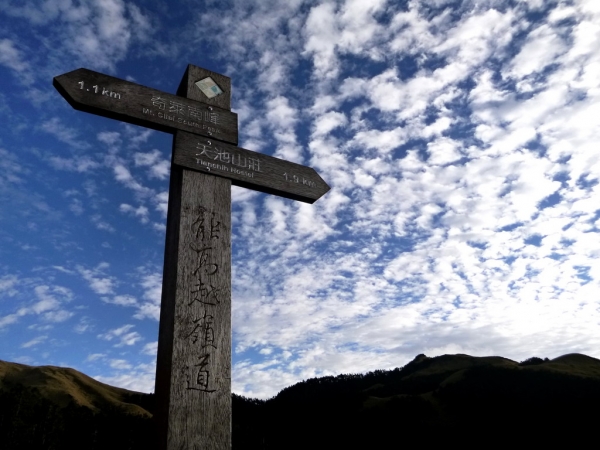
[{"x": 460, "y": 140}]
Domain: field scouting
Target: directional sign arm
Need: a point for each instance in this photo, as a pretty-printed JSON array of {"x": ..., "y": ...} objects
[
  {"x": 111, "y": 97},
  {"x": 249, "y": 169}
]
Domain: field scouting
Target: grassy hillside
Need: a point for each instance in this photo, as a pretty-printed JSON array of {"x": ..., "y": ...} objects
[
  {"x": 442, "y": 400},
  {"x": 450, "y": 399},
  {"x": 59, "y": 408}
]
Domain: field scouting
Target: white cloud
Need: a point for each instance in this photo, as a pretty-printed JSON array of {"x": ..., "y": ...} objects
[
  {"x": 382, "y": 141},
  {"x": 139, "y": 378},
  {"x": 12, "y": 57},
  {"x": 9, "y": 319},
  {"x": 83, "y": 325},
  {"x": 533, "y": 4},
  {"x": 328, "y": 122},
  {"x": 349, "y": 29},
  {"x": 443, "y": 151},
  {"x": 50, "y": 297},
  {"x": 150, "y": 348},
  {"x": 121, "y": 300},
  {"x": 162, "y": 203},
  {"x": 120, "y": 364},
  {"x": 158, "y": 167},
  {"x": 122, "y": 335},
  {"x": 98, "y": 282},
  {"x": 360, "y": 31},
  {"x": 151, "y": 284},
  {"x": 99, "y": 32},
  {"x": 109, "y": 137},
  {"x": 322, "y": 33},
  {"x": 540, "y": 49},
  {"x": 64, "y": 134},
  {"x": 443, "y": 130},
  {"x": 48, "y": 304},
  {"x": 123, "y": 175},
  {"x": 95, "y": 357},
  {"x": 141, "y": 211},
  {"x": 101, "y": 224},
  {"x": 411, "y": 32},
  {"x": 586, "y": 35},
  {"x": 282, "y": 117},
  {"x": 444, "y": 207},
  {"x": 485, "y": 92},
  {"x": 438, "y": 127},
  {"x": 11, "y": 170},
  {"x": 35, "y": 341},
  {"x": 75, "y": 164},
  {"x": 7, "y": 284},
  {"x": 76, "y": 207},
  {"x": 58, "y": 316}
]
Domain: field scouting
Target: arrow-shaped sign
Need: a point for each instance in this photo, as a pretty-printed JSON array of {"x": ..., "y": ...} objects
[
  {"x": 249, "y": 169},
  {"x": 107, "y": 96}
]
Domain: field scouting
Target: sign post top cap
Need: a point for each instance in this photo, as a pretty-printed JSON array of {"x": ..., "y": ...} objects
[{"x": 193, "y": 81}]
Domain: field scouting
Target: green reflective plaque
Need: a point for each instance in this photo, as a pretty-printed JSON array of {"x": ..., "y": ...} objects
[{"x": 209, "y": 87}]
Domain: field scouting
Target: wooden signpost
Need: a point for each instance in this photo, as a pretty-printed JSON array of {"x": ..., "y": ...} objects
[
  {"x": 248, "y": 169},
  {"x": 114, "y": 98},
  {"x": 193, "y": 373}
]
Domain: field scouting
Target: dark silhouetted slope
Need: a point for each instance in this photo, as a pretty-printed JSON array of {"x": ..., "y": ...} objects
[
  {"x": 449, "y": 399},
  {"x": 59, "y": 408}
]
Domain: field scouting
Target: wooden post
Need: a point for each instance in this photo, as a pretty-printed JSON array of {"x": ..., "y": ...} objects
[{"x": 193, "y": 374}]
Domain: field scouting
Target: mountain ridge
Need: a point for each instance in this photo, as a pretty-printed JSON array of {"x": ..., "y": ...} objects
[
  {"x": 63, "y": 385},
  {"x": 50, "y": 407}
]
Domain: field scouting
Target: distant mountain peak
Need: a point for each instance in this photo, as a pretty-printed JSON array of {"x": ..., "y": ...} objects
[{"x": 420, "y": 357}]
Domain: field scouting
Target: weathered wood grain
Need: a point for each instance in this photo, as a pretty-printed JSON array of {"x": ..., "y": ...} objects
[
  {"x": 111, "y": 97},
  {"x": 193, "y": 385},
  {"x": 249, "y": 169},
  {"x": 164, "y": 358},
  {"x": 193, "y": 373},
  {"x": 200, "y": 405}
]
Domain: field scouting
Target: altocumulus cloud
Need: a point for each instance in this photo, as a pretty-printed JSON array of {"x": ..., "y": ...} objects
[{"x": 459, "y": 139}]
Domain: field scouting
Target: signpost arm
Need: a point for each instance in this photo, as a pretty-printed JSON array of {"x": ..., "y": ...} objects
[{"x": 193, "y": 374}]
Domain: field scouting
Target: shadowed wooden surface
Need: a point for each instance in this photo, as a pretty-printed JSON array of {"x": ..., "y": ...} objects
[
  {"x": 188, "y": 89},
  {"x": 200, "y": 391},
  {"x": 111, "y": 97},
  {"x": 193, "y": 374}
]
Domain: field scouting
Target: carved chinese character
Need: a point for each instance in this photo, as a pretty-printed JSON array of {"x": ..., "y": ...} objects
[
  {"x": 212, "y": 118},
  {"x": 195, "y": 112},
  {"x": 198, "y": 225},
  {"x": 199, "y": 228},
  {"x": 176, "y": 107},
  {"x": 203, "y": 255},
  {"x": 205, "y": 294},
  {"x": 197, "y": 377},
  {"x": 202, "y": 291},
  {"x": 241, "y": 160},
  {"x": 160, "y": 103},
  {"x": 215, "y": 227},
  {"x": 254, "y": 164},
  {"x": 223, "y": 156},
  {"x": 203, "y": 330},
  {"x": 207, "y": 150}
]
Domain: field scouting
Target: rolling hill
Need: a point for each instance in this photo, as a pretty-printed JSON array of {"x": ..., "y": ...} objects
[
  {"x": 441, "y": 400},
  {"x": 59, "y": 408}
]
